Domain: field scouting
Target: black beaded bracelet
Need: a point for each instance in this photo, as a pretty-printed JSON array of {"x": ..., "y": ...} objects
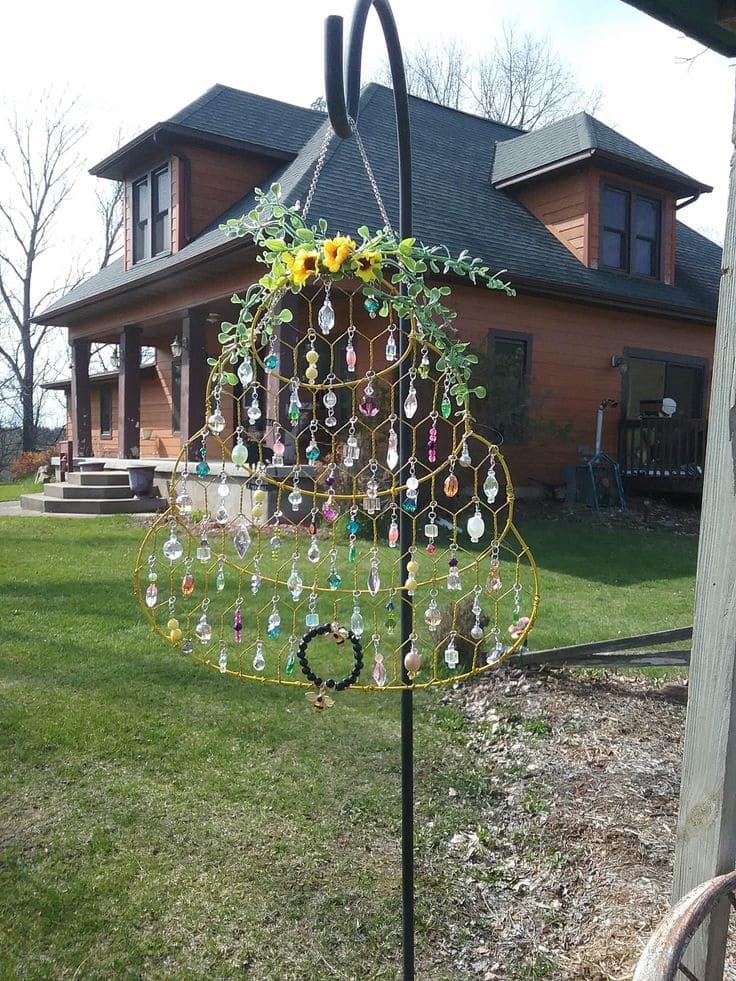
[{"x": 341, "y": 634}]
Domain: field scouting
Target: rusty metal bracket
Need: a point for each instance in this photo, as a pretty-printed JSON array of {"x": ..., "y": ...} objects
[{"x": 662, "y": 956}]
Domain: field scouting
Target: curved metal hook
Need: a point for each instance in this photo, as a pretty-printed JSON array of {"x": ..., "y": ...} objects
[
  {"x": 342, "y": 88},
  {"x": 343, "y": 103}
]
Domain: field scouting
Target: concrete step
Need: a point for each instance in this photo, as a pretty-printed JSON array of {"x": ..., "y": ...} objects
[
  {"x": 99, "y": 478},
  {"x": 106, "y": 492},
  {"x": 60, "y": 505}
]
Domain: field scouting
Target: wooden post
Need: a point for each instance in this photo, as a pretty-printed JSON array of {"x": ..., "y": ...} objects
[
  {"x": 706, "y": 831},
  {"x": 81, "y": 411},
  {"x": 194, "y": 373},
  {"x": 129, "y": 393}
]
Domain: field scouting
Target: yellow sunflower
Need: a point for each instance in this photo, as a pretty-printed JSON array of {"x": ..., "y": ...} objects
[
  {"x": 304, "y": 265},
  {"x": 368, "y": 265},
  {"x": 336, "y": 251}
]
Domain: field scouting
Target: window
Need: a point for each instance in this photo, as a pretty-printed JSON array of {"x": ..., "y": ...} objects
[
  {"x": 175, "y": 396},
  {"x": 106, "y": 412},
  {"x": 151, "y": 202},
  {"x": 631, "y": 232},
  {"x": 651, "y": 379},
  {"x": 509, "y": 356}
]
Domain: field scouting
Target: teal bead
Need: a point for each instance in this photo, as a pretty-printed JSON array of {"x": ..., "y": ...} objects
[
  {"x": 372, "y": 305},
  {"x": 352, "y": 526},
  {"x": 409, "y": 505},
  {"x": 203, "y": 469}
]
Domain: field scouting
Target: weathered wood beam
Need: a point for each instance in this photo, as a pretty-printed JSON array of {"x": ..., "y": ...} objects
[
  {"x": 706, "y": 832},
  {"x": 564, "y": 654},
  {"x": 129, "y": 392},
  {"x": 81, "y": 411},
  {"x": 194, "y": 373},
  {"x": 603, "y": 659}
]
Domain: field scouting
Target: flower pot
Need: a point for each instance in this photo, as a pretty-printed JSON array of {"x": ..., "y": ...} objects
[{"x": 140, "y": 480}]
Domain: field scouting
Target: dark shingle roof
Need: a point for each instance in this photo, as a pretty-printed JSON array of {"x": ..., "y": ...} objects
[
  {"x": 255, "y": 119},
  {"x": 222, "y": 116},
  {"x": 576, "y": 138},
  {"x": 455, "y": 203}
]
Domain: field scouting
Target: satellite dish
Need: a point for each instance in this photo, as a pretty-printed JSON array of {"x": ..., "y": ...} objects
[{"x": 669, "y": 407}]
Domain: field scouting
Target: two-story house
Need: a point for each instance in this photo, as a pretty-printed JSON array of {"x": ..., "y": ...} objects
[{"x": 616, "y": 298}]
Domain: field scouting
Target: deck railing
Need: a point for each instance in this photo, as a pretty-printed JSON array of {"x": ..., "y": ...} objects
[{"x": 668, "y": 451}]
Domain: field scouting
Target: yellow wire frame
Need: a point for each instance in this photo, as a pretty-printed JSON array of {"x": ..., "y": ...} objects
[{"x": 395, "y": 590}]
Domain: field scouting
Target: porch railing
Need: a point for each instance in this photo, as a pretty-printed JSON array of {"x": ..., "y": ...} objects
[{"x": 662, "y": 450}]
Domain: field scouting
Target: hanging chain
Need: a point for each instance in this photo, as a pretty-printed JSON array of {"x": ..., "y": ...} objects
[
  {"x": 317, "y": 170},
  {"x": 371, "y": 176},
  {"x": 368, "y": 169}
]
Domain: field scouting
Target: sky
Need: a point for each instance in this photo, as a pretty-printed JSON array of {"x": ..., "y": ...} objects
[{"x": 150, "y": 59}]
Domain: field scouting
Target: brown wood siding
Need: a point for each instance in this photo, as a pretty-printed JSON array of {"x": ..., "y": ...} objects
[
  {"x": 177, "y": 229},
  {"x": 128, "y": 224},
  {"x": 570, "y": 374},
  {"x": 571, "y": 369},
  {"x": 561, "y": 204},
  {"x": 218, "y": 180}
]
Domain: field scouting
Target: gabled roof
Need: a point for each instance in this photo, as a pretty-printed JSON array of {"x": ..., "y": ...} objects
[
  {"x": 571, "y": 141},
  {"x": 222, "y": 117},
  {"x": 455, "y": 203}
]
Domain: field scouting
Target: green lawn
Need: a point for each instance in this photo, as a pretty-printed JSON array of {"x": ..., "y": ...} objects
[
  {"x": 12, "y": 490},
  {"x": 159, "y": 820}
]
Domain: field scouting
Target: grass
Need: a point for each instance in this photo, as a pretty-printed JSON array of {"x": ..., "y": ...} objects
[
  {"x": 12, "y": 490},
  {"x": 158, "y": 820}
]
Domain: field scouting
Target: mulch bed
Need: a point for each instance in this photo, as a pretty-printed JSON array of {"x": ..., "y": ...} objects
[{"x": 570, "y": 867}]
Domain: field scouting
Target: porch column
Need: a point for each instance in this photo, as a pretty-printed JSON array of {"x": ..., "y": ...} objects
[
  {"x": 81, "y": 413},
  {"x": 129, "y": 392},
  {"x": 194, "y": 373}
]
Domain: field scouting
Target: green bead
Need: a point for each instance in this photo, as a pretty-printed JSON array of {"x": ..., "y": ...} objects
[
  {"x": 351, "y": 553},
  {"x": 446, "y": 408},
  {"x": 290, "y": 665},
  {"x": 239, "y": 455}
]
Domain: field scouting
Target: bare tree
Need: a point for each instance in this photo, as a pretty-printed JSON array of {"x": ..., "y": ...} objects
[
  {"x": 521, "y": 81},
  {"x": 39, "y": 161},
  {"x": 110, "y": 213}
]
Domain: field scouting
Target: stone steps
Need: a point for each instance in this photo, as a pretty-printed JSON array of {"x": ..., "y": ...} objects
[
  {"x": 104, "y": 492},
  {"x": 90, "y": 505},
  {"x": 98, "y": 478}
]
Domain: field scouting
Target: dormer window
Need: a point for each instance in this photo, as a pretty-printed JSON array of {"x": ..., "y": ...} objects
[
  {"x": 151, "y": 204},
  {"x": 631, "y": 232}
]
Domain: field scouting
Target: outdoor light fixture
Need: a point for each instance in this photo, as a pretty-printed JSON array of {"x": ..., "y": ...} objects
[
  {"x": 176, "y": 348},
  {"x": 619, "y": 362}
]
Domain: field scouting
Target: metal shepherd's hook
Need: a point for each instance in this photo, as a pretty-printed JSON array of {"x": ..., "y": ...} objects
[{"x": 342, "y": 91}]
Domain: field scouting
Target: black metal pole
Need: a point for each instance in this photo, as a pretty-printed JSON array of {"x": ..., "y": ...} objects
[{"x": 342, "y": 92}]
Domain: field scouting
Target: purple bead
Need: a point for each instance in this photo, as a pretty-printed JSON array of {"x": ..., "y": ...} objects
[
  {"x": 330, "y": 481},
  {"x": 329, "y": 512},
  {"x": 452, "y": 563},
  {"x": 368, "y": 407}
]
